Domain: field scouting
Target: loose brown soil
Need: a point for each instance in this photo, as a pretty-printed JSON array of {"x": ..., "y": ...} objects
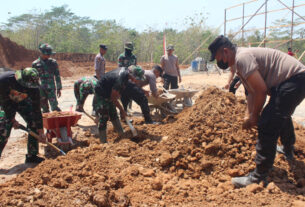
[{"x": 187, "y": 161}]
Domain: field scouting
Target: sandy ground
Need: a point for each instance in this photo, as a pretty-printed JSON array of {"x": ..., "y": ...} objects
[{"x": 13, "y": 156}]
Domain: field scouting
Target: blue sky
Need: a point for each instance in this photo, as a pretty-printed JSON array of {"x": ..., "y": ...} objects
[{"x": 141, "y": 14}]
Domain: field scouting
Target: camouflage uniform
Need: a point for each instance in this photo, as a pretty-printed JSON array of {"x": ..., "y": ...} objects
[
  {"x": 5, "y": 130},
  {"x": 16, "y": 97},
  {"x": 106, "y": 111},
  {"x": 104, "y": 106},
  {"x": 48, "y": 70},
  {"x": 82, "y": 88},
  {"x": 127, "y": 59}
]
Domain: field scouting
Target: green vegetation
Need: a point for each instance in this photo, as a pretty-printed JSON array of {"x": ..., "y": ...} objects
[{"x": 67, "y": 32}]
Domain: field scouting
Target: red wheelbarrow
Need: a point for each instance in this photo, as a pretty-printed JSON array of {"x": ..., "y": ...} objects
[{"x": 58, "y": 124}]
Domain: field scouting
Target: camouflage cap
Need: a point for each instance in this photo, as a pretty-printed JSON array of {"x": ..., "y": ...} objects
[
  {"x": 128, "y": 46},
  {"x": 170, "y": 47},
  {"x": 137, "y": 72},
  {"x": 28, "y": 77},
  {"x": 46, "y": 49}
]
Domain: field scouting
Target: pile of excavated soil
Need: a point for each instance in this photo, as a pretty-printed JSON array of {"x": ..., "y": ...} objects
[
  {"x": 77, "y": 65},
  {"x": 16, "y": 57},
  {"x": 187, "y": 161}
]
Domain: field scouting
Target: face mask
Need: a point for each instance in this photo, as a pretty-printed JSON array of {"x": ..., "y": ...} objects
[
  {"x": 128, "y": 52},
  {"x": 222, "y": 65}
]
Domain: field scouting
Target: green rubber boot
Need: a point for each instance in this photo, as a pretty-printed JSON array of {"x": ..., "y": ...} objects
[
  {"x": 103, "y": 136},
  {"x": 118, "y": 126}
]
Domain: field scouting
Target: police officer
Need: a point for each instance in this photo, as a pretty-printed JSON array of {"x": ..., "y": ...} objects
[
  {"x": 82, "y": 88},
  {"x": 48, "y": 71},
  {"x": 100, "y": 62},
  {"x": 127, "y": 59},
  {"x": 170, "y": 66},
  {"x": 107, "y": 92},
  {"x": 19, "y": 92},
  {"x": 147, "y": 77},
  {"x": 265, "y": 71}
]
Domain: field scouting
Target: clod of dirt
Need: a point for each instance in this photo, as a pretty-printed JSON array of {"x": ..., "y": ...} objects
[
  {"x": 157, "y": 184},
  {"x": 165, "y": 159},
  {"x": 100, "y": 199},
  {"x": 254, "y": 188}
]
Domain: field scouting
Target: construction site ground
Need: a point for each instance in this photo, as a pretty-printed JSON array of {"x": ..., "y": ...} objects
[{"x": 188, "y": 160}]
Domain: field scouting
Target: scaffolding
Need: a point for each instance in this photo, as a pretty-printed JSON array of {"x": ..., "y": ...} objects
[
  {"x": 246, "y": 18},
  {"x": 264, "y": 4}
]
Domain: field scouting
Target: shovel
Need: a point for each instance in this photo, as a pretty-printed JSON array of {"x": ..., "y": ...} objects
[
  {"x": 36, "y": 136},
  {"x": 133, "y": 130},
  {"x": 91, "y": 117}
]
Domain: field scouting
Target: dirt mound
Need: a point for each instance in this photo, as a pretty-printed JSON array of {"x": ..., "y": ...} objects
[
  {"x": 15, "y": 56},
  {"x": 187, "y": 161},
  {"x": 77, "y": 65}
]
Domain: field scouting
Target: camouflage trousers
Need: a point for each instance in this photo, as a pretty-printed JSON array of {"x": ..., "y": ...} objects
[
  {"x": 5, "y": 130},
  {"x": 48, "y": 95},
  {"x": 106, "y": 111},
  {"x": 24, "y": 108}
]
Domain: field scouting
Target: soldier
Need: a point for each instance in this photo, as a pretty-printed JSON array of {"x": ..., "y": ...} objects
[
  {"x": 48, "y": 70},
  {"x": 82, "y": 88},
  {"x": 107, "y": 93},
  {"x": 19, "y": 92},
  {"x": 100, "y": 62},
  {"x": 127, "y": 59}
]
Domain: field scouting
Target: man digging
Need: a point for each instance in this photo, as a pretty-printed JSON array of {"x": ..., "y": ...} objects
[
  {"x": 107, "y": 92},
  {"x": 263, "y": 72},
  {"x": 147, "y": 77},
  {"x": 19, "y": 92}
]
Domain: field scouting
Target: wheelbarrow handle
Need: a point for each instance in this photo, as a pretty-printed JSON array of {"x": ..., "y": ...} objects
[{"x": 36, "y": 136}]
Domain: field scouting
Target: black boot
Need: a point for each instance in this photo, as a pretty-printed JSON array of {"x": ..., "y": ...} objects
[
  {"x": 33, "y": 159},
  {"x": 288, "y": 153},
  {"x": 253, "y": 177}
]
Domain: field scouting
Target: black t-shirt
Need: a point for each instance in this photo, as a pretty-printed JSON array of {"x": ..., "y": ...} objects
[
  {"x": 108, "y": 82},
  {"x": 11, "y": 93}
]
